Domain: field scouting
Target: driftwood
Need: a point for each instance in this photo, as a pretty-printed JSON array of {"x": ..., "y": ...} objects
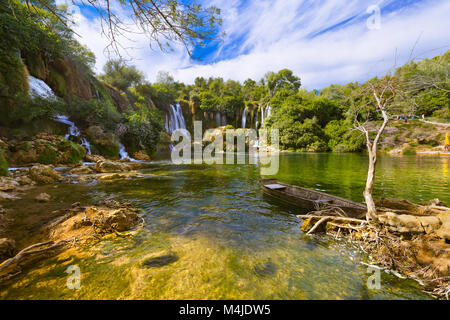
[
  {"x": 337, "y": 218},
  {"x": 30, "y": 255},
  {"x": 323, "y": 219}
]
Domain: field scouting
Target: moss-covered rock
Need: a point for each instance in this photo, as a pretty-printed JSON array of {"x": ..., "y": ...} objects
[
  {"x": 105, "y": 144},
  {"x": 45, "y": 149}
]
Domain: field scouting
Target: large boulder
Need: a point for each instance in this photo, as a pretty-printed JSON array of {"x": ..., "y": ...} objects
[
  {"x": 45, "y": 149},
  {"x": 44, "y": 174},
  {"x": 438, "y": 225}
]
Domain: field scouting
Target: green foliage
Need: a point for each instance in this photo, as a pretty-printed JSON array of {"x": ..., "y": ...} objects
[
  {"x": 443, "y": 113},
  {"x": 408, "y": 151},
  {"x": 93, "y": 112},
  {"x": 120, "y": 75},
  {"x": 3, "y": 164},
  {"x": 343, "y": 138},
  {"x": 283, "y": 80},
  {"x": 143, "y": 129},
  {"x": 75, "y": 151},
  {"x": 38, "y": 107},
  {"x": 48, "y": 156}
]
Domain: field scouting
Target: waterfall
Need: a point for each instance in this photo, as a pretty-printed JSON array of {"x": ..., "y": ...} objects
[
  {"x": 73, "y": 131},
  {"x": 39, "y": 88},
  {"x": 265, "y": 113},
  {"x": 123, "y": 152},
  {"x": 175, "y": 119},
  {"x": 244, "y": 118}
]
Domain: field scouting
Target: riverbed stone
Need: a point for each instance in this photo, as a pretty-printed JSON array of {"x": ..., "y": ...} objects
[
  {"x": 430, "y": 224},
  {"x": 401, "y": 223},
  {"x": 93, "y": 158},
  {"x": 141, "y": 156},
  {"x": 81, "y": 170},
  {"x": 24, "y": 180},
  {"x": 108, "y": 166},
  {"x": 8, "y": 196},
  {"x": 8, "y": 184},
  {"x": 44, "y": 174},
  {"x": 43, "y": 197},
  {"x": 444, "y": 231},
  {"x": 160, "y": 261}
]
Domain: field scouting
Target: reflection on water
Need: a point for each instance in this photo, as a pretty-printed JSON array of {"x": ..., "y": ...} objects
[
  {"x": 210, "y": 233},
  {"x": 445, "y": 167},
  {"x": 417, "y": 178}
]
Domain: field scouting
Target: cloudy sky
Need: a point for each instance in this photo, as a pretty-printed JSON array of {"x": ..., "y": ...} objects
[{"x": 322, "y": 41}]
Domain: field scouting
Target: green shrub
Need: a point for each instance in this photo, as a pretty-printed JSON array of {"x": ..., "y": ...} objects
[
  {"x": 48, "y": 156},
  {"x": 3, "y": 164},
  {"x": 143, "y": 129},
  {"x": 408, "y": 151}
]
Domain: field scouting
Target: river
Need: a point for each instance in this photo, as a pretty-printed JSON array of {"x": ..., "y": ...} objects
[{"x": 223, "y": 239}]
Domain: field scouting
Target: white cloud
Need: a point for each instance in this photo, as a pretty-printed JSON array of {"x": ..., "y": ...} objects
[{"x": 277, "y": 34}]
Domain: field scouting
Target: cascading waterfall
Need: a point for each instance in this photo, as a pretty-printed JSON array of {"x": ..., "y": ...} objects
[
  {"x": 175, "y": 119},
  {"x": 244, "y": 118},
  {"x": 123, "y": 153},
  {"x": 73, "y": 131},
  {"x": 265, "y": 113},
  {"x": 41, "y": 89}
]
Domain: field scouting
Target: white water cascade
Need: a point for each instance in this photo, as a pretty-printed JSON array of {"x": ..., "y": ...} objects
[
  {"x": 244, "y": 118},
  {"x": 39, "y": 88},
  {"x": 265, "y": 113},
  {"x": 73, "y": 131},
  {"x": 175, "y": 119},
  {"x": 123, "y": 153}
]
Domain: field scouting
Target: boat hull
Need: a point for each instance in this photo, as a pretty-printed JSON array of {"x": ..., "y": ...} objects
[{"x": 310, "y": 199}]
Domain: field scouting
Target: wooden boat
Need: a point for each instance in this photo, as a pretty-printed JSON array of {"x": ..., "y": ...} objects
[{"x": 310, "y": 199}]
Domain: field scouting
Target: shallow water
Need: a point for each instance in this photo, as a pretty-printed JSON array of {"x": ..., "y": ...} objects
[{"x": 210, "y": 233}]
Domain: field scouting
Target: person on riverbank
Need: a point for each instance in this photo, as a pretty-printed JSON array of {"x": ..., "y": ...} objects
[{"x": 447, "y": 142}]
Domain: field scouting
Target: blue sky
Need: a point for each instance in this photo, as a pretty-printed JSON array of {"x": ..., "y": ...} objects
[{"x": 322, "y": 41}]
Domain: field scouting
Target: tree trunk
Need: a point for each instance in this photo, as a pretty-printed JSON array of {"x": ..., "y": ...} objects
[{"x": 371, "y": 209}]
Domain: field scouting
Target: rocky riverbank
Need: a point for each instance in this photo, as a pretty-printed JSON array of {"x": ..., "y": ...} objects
[
  {"x": 76, "y": 227},
  {"x": 412, "y": 239}
]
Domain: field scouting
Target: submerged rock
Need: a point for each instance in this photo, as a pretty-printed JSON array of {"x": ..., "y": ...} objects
[
  {"x": 266, "y": 269},
  {"x": 43, "y": 197},
  {"x": 44, "y": 174},
  {"x": 8, "y": 196},
  {"x": 82, "y": 223},
  {"x": 108, "y": 166},
  {"x": 8, "y": 184},
  {"x": 160, "y": 261},
  {"x": 7, "y": 249}
]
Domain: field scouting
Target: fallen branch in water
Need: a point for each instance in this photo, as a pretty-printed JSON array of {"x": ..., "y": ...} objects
[
  {"x": 338, "y": 218},
  {"x": 29, "y": 255}
]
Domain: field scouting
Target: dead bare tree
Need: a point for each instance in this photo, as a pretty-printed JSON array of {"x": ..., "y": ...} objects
[{"x": 378, "y": 97}]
